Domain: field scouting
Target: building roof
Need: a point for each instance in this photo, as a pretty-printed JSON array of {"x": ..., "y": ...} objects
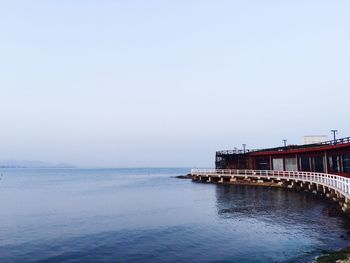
[
  {"x": 315, "y": 147},
  {"x": 291, "y": 149}
]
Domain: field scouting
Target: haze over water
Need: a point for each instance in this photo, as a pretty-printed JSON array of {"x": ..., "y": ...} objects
[
  {"x": 164, "y": 84},
  {"x": 167, "y": 83},
  {"x": 144, "y": 215}
]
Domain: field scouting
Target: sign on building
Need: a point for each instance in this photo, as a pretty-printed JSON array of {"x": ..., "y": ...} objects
[{"x": 311, "y": 139}]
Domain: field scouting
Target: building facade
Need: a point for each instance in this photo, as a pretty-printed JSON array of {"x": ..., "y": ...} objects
[{"x": 325, "y": 157}]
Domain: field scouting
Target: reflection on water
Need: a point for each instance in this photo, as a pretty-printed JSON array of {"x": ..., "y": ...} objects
[
  {"x": 287, "y": 206},
  {"x": 133, "y": 215},
  {"x": 281, "y": 219}
]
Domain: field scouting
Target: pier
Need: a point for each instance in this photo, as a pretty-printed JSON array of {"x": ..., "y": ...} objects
[{"x": 333, "y": 187}]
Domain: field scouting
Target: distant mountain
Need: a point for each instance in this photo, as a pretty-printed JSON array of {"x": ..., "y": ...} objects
[{"x": 32, "y": 164}]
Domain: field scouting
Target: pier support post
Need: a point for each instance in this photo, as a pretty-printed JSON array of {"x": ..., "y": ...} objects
[
  {"x": 291, "y": 185},
  {"x": 325, "y": 190},
  {"x": 319, "y": 188},
  {"x": 346, "y": 204}
]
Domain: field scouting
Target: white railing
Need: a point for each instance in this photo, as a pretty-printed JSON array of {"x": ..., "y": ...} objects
[{"x": 335, "y": 182}]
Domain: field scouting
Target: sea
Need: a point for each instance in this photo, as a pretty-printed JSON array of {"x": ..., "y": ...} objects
[{"x": 148, "y": 215}]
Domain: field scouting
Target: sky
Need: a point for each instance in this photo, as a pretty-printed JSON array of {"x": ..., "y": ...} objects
[{"x": 162, "y": 83}]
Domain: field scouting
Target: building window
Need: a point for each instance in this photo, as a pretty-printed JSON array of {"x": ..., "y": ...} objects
[
  {"x": 277, "y": 164},
  {"x": 346, "y": 163},
  {"x": 318, "y": 164},
  {"x": 334, "y": 164},
  {"x": 304, "y": 164},
  {"x": 291, "y": 164},
  {"x": 263, "y": 164}
]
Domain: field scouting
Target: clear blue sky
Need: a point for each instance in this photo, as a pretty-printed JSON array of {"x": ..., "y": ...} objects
[{"x": 167, "y": 83}]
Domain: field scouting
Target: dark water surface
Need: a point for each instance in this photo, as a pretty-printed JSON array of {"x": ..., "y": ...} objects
[{"x": 144, "y": 215}]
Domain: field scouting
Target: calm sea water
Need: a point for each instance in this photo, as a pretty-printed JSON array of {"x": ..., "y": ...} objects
[{"x": 144, "y": 215}]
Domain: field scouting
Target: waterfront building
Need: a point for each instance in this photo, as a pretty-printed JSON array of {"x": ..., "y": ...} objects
[{"x": 332, "y": 157}]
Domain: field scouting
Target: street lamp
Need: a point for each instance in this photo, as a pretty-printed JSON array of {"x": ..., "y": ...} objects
[
  {"x": 334, "y": 133},
  {"x": 285, "y": 142}
]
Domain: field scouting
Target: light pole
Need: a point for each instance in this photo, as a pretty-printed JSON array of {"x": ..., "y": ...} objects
[
  {"x": 285, "y": 142},
  {"x": 244, "y": 147},
  {"x": 334, "y": 133}
]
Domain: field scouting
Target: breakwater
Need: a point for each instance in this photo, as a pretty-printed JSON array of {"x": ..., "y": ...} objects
[{"x": 333, "y": 187}]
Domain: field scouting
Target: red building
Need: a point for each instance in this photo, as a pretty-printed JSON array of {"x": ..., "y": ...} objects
[{"x": 327, "y": 157}]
